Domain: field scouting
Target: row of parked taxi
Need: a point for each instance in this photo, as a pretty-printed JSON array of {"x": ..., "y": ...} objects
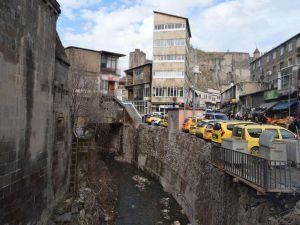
[
  {"x": 216, "y": 130},
  {"x": 214, "y": 127}
]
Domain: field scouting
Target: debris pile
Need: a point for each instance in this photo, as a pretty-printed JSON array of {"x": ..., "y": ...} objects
[{"x": 141, "y": 182}]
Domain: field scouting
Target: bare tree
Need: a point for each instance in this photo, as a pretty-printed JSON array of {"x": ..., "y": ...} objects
[{"x": 85, "y": 92}]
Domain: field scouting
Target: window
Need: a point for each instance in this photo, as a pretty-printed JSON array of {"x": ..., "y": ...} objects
[
  {"x": 274, "y": 55},
  {"x": 290, "y": 46},
  {"x": 237, "y": 132},
  {"x": 274, "y": 131},
  {"x": 287, "y": 134},
  {"x": 169, "y": 58},
  {"x": 298, "y": 59},
  {"x": 108, "y": 62},
  {"x": 298, "y": 42},
  {"x": 258, "y": 63},
  {"x": 290, "y": 62},
  {"x": 168, "y": 27},
  {"x": 168, "y": 74},
  {"x": 168, "y": 43},
  {"x": 255, "y": 133},
  {"x": 268, "y": 58},
  {"x": 282, "y": 51}
]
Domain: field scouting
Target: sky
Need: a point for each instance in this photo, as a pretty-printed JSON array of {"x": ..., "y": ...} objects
[{"x": 216, "y": 25}]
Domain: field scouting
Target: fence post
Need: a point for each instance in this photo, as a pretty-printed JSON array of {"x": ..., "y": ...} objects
[{"x": 266, "y": 175}]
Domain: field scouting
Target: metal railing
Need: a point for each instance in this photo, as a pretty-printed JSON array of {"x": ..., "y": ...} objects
[{"x": 262, "y": 174}]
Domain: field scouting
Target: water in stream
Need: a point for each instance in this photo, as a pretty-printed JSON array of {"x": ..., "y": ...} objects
[{"x": 136, "y": 206}]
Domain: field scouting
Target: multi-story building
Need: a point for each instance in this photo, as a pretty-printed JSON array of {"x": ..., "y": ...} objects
[
  {"x": 95, "y": 70},
  {"x": 209, "y": 98},
  {"x": 171, "y": 43},
  {"x": 279, "y": 67},
  {"x": 138, "y": 85}
]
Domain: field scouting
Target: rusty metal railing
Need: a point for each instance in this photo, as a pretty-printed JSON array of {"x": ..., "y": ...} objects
[{"x": 262, "y": 174}]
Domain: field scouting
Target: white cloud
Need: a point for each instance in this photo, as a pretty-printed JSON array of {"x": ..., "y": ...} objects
[{"x": 237, "y": 25}]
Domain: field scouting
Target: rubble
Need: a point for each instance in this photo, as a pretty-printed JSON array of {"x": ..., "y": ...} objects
[
  {"x": 94, "y": 203},
  {"x": 141, "y": 182}
]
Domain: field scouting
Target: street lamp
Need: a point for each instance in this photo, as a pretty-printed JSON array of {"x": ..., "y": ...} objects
[
  {"x": 195, "y": 72},
  {"x": 289, "y": 89}
]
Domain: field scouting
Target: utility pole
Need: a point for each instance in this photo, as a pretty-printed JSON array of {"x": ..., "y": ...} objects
[{"x": 195, "y": 72}]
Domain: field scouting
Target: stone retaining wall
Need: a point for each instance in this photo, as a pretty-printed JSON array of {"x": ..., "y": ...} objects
[{"x": 181, "y": 163}]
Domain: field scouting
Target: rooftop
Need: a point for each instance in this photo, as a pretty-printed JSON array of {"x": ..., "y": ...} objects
[
  {"x": 101, "y": 52},
  {"x": 187, "y": 20},
  {"x": 276, "y": 47},
  {"x": 140, "y": 66}
]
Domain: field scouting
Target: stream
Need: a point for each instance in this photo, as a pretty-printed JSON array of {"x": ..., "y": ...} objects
[{"x": 141, "y": 200}]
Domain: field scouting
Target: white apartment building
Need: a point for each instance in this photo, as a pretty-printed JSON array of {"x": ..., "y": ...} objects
[{"x": 171, "y": 43}]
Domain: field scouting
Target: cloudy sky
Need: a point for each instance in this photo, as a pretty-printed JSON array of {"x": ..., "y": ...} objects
[{"x": 216, "y": 25}]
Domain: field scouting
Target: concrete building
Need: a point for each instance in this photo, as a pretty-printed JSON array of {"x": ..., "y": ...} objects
[
  {"x": 219, "y": 69},
  {"x": 35, "y": 128},
  {"x": 209, "y": 98},
  {"x": 171, "y": 44},
  {"x": 279, "y": 67},
  {"x": 231, "y": 98},
  {"x": 138, "y": 85},
  {"x": 98, "y": 68}
]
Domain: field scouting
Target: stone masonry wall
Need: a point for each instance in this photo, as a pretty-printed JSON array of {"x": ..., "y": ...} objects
[
  {"x": 34, "y": 154},
  {"x": 181, "y": 163}
]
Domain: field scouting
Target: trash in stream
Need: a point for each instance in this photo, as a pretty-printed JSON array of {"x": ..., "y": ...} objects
[
  {"x": 165, "y": 202},
  {"x": 165, "y": 214},
  {"x": 141, "y": 182}
]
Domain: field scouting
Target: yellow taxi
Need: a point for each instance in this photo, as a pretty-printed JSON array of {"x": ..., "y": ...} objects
[
  {"x": 164, "y": 121},
  {"x": 223, "y": 129},
  {"x": 200, "y": 128},
  {"x": 152, "y": 118},
  {"x": 252, "y": 132},
  {"x": 207, "y": 133},
  {"x": 193, "y": 125},
  {"x": 187, "y": 123}
]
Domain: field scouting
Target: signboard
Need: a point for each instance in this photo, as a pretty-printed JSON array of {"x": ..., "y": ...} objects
[
  {"x": 110, "y": 78},
  {"x": 273, "y": 94}
]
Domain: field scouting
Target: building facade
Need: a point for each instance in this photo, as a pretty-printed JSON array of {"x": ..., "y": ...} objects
[
  {"x": 219, "y": 69},
  {"x": 209, "y": 98},
  {"x": 171, "y": 44},
  {"x": 96, "y": 70},
  {"x": 280, "y": 67},
  {"x": 232, "y": 101},
  {"x": 138, "y": 85}
]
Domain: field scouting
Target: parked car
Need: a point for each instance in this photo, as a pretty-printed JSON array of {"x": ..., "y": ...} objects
[
  {"x": 252, "y": 132},
  {"x": 223, "y": 129},
  {"x": 187, "y": 123},
  {"x": 193, "y": 125},
  {"x": 207, "y": 133},
  {"x": 152, "y": 118},
  {"x": 164, "y": 121},
  {"x": 200, "y": 127},
  {"x": 215, "y": 116}
]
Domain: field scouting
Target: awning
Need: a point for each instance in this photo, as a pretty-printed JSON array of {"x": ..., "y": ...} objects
[
  {"x": 284, "y": 104},
  {"x": 267, "y": 105},
  {"x": 198, "y": 92}
]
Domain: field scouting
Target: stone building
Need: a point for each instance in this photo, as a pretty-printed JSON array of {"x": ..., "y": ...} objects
[
  {"x": 279, "y": 67},
  {"x": 138, "y": 85},
  {"x": 100, "y": 68},
  {"x": 171, "y": 44},
  {"x": 233, "y": 99},
  {"x": 220, "y": 69},
  {"x": 35, "y": 134}
]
